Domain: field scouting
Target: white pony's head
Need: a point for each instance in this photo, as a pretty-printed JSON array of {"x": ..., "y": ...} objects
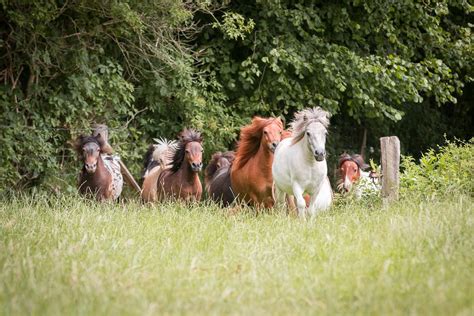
[{"x": 311, "y": 125}]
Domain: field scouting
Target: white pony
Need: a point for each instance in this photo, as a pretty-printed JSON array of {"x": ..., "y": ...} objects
[
  {"x": 299, "y": 165},
  {"x": 157, "y": 159}
]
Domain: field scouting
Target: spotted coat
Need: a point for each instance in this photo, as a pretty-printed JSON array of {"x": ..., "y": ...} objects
[{"x": 112, "y": 165}]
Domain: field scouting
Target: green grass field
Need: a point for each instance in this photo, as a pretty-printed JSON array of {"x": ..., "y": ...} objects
[{"x": 63, "y": 256}]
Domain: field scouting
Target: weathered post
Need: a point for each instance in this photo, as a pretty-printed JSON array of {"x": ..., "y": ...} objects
[
  {"x": 103, "y": 130},
  {"x": 390, "y": 159}
]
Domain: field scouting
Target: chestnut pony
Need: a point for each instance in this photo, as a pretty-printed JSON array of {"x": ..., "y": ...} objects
[
  {"x": 217, "y": 177},
  {"x": 181, "y": 181},
  {"x": 351, "y": 170},
  {"x": 251, "y": 171},
  {"x": 100, "y": 176}
]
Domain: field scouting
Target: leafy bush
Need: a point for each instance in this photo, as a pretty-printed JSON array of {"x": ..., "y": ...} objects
[
  {"x": 444, "y": 172},
  {"x": 150, "y": 68}
]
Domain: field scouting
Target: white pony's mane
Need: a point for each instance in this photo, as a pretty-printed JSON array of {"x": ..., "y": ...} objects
[
  {"x": 305, "y": 117},
  {"x": 162, "y": 146}
]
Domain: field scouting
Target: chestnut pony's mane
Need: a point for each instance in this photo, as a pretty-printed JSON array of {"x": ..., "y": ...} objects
[
  {"x": 212, "y": 166},
  {"x": 355, "y": 158},
  {"x": 250, "y": 137},
  {"x": 185, "y": 137}
]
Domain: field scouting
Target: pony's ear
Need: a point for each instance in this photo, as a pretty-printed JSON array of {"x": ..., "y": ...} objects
[
  {"x": 282, "y": 119},
  {"x": 257, "y": 119}
]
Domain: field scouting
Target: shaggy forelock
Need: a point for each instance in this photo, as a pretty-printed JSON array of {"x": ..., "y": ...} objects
[{"x": 306, "y": 117}]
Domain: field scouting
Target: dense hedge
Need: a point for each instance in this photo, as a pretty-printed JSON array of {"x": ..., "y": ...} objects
[{"x": 148, "y": 69}]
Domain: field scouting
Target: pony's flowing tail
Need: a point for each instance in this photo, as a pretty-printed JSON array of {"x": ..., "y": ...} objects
[{"x": 129, "y": 178}]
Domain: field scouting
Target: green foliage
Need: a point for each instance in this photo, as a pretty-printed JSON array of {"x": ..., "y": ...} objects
[
  {"x": 365, "y": 58},
  {"x": 70, "y": 64},
  {"x": 449, "y": 171},
  {"x": 234, "y": 26},
  {"x": 149, "y": 69}
]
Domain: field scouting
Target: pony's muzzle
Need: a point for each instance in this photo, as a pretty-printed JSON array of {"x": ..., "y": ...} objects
[
  {"x": 90, "y": 167},
  {"x": 196, "y": 166},
  {"x": 319, "y": 155},
  {"x": 347, "y": 186},
  {"x": 273, "y": 146}
]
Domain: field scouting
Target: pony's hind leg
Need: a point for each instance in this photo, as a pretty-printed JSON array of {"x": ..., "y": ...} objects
[{"x": 322, "y": 200}]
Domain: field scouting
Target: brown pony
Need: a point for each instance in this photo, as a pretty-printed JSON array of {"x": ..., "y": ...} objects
[
  {"x": 100, "y": 176},
  {"x": 181, "y": 181},
  {"x": 217, "y": 177},
  {"x": 251, "y": 171}
]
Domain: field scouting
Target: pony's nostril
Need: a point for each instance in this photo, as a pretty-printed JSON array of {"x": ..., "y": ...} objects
[
  {"x": 196, "y": 165},
  {"x": 90, "y": 167}
]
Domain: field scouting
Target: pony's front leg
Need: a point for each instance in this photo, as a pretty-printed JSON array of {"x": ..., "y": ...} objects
[
  {"x": 313, "y": 208},
  {"x": 300, "y": 202},
  {"x": 278, "y": 196}
]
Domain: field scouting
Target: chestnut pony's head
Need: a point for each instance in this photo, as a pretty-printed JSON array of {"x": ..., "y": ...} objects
[
  {"x": 271, "y": 132},
  {"x": 261, "y": 132},
  {"x": 349, "y": 170}
]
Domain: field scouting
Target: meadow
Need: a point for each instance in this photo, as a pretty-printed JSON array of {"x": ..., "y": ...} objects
[{"x": 65, "y": 255}]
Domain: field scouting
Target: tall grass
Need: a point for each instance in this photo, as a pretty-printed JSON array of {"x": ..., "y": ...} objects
[{"x": 70, "y": 256}]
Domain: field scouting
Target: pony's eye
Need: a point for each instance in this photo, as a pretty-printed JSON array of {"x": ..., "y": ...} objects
[
  {"x": 202, "y": 150},
  {"x": 265, "y": 132},
  {"x": 187, "y": 151},
  {"x": 308, "y": 133},
  {"x": 98, "y": 149}
]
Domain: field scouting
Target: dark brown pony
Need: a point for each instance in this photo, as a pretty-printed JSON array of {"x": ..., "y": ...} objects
[
  {"x": 95, "y": 179},
  {"x": 181, "y": 181},
  {"x": 217, "y": 177},
  {"x": 251, "y": 171}
]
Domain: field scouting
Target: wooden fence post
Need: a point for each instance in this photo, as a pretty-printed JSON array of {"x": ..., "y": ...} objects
[
  {"x": 390, "y": 148},
  {"x": 103, "y": 130}
]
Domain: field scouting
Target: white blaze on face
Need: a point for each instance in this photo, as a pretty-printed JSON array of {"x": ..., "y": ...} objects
[{"x": 347, "y": 184}]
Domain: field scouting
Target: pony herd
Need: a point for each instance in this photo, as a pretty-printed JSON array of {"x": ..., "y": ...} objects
[{"x": 270, "y": 166}]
